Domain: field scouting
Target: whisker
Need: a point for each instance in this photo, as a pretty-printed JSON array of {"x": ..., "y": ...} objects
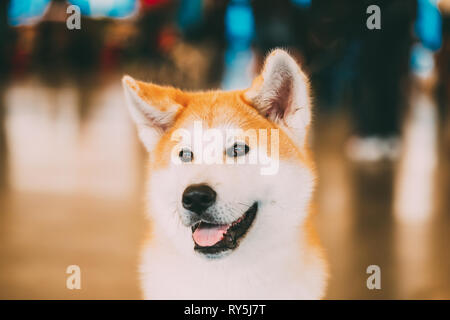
[{"x": 244, "y": 204}]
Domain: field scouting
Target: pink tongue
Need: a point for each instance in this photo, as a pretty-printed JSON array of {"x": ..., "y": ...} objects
[{"x": 207, "y": 235}]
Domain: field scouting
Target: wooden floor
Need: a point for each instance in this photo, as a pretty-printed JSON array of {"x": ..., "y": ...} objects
[{"x": 75, "y": 196}]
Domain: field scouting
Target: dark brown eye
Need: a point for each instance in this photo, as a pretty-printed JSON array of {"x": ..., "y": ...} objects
[
  {"x": 237, "y": 150},
  {"x": 186, "y": 155}
]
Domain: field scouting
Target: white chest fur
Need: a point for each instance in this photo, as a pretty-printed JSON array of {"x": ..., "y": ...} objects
[{"x": 274, "y": 275}]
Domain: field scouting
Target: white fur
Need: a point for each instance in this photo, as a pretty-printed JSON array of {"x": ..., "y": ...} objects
[{"x": 271, "y": 262}]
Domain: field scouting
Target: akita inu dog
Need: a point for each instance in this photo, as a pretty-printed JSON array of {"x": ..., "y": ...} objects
[{"x": 221, "y": 230}]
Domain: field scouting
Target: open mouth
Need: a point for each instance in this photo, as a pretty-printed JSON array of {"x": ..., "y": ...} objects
[{"x": 215, "y": 238}]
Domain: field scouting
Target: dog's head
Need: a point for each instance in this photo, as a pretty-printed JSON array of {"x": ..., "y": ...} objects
[{"x": 227, "y": 169}]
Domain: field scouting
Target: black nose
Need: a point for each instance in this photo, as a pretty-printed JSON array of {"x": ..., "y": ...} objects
[{"x": 198, "y": 197}]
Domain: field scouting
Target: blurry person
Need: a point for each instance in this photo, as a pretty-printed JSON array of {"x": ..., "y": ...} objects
[
  {"x": 239, "y": 30},
  {"x": 381, "y": 81},
  {"x": 275, "y": 24},
  {"x": 320, "y": 33},
  {"x": 203, "y": 20},
  {"x": 59, "y": 53},
  {"x": 200, "y": 52},
  {"x": 5, "y": 53},
  {"x": 155, "y": 33},
  {"x": 443, "y": 67},
  {"x": 190, "y": 17},
  {"x": 284, "y": 25}
]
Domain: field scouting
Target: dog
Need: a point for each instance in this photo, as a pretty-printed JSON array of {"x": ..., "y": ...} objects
[{"x": 227, "y": 230}]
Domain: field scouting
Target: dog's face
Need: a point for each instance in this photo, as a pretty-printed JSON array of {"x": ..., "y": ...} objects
[{"x": 228, "y": 170}]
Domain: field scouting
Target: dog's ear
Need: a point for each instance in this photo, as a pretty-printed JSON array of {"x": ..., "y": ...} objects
[
  {"x": 152, "y": 107},
  {"x": 281, "y": 93}
]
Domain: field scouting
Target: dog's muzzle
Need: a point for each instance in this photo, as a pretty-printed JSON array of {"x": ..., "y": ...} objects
[{"x": 212, "y": 237}]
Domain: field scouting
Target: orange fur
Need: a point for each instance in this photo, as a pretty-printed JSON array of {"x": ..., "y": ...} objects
[{"x": 213, "y": 108}]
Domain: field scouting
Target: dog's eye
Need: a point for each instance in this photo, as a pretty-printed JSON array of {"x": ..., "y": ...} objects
[
  {"x": 237, "y": 150},
  {"x": 186, "y": 155}
]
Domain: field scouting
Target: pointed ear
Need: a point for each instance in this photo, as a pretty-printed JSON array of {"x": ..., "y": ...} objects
[
  {"x": 281, "y": 93},
  {"x": 152, "y": 107}
]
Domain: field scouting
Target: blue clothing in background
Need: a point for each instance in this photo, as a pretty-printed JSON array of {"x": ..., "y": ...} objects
[
  {"x": 239, "y": 30},
  {"x": 428, "y": 25},
  {"x": 102, "y": 8},
  {"x": 302, "y": 3},
  {"x": 24, "y": 11},
  {"x": 190, "y": 14},
  {"x": 428, "y": 28}
]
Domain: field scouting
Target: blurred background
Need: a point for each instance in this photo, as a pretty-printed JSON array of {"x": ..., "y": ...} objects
[{"x": 72, "y": 170}]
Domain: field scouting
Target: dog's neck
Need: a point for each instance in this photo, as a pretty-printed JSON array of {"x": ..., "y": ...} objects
[{"x": 289, "y": 270}]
